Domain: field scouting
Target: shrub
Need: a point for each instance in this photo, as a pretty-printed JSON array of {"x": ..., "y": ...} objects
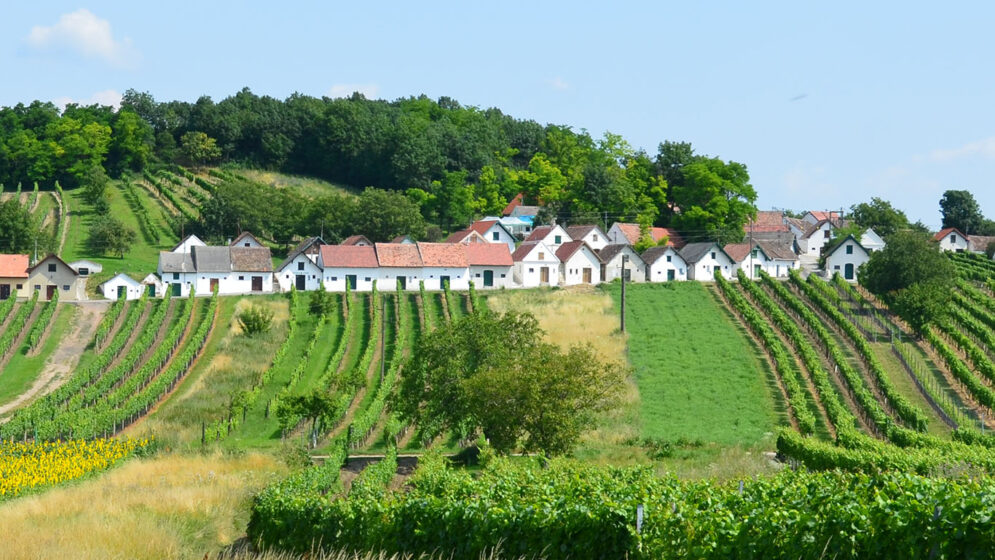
[{"x": 255, "y": 320}]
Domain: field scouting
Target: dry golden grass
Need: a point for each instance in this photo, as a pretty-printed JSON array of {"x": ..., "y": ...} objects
[
  {"x": 170, "y": 506},
  {"x": 585, "y": 315}
]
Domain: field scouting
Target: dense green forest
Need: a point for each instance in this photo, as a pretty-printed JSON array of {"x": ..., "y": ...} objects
[{"x": 448, "y": 162}]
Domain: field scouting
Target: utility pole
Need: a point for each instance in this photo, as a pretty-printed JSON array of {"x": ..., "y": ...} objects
[
  {"x": 383, "y": 334},
  {"x": 625, "y": 259}
]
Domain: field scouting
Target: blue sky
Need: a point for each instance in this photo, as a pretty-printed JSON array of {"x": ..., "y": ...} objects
[{"x": 827, "y": 105}]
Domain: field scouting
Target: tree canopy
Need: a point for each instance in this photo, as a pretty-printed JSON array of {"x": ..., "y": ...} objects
[
  {"x": 495, "y": 375},
  {"x": 880, "y": 216},
  {"x": 961, "y": 211},
  {"x": 913, "y": 275}
]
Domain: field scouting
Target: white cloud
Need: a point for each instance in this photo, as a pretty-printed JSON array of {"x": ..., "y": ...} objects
[
  {"x": 558, "y": 83},
  {"x": 369, "y": 91},
  {"x": 984, "y": 148},
  {"x": 86, "y": 34},
  {"x": 106, "y": 97}
]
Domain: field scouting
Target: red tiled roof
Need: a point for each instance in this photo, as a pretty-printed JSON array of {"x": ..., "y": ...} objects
[
  {"x": 355, "y": 240},
  {"x": 482, "y": 226},
  {"x": 13, "y": 266},
  {"x": 738, "y": 251},
  {"x": 821, "y": 215},
  {"x": 539, "y": 233},
  {"x": 448, "y": 255},
  {"x": 349, "y": 256},
  {"x": 567, "y": 250},
  {"x": 466, "y": 237},
  {"x": 488, "y": 254},
  {"x": 631, "y": 232},
  {"x": 401, "y": 255},
  {"x": 524, "y": 249},
  {"x": 944, "y": 232},
  {"x": 517, "y": 201},
  {"x": 767, "y": 221}
]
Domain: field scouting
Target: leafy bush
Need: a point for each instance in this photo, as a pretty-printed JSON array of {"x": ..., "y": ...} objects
[{"x": 255, "y": 320}]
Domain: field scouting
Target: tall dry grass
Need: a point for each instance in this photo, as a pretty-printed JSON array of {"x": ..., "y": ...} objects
[
  {"x": 586, "y": 315},
  {"x": 170, "y": 506}
]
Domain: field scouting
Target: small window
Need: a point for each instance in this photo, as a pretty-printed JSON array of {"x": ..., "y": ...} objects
[
  {"x": 754, "y": 253},
  {"x": 37, "y": 287},
  {"x": 837, "y": 267},
  {"x": 51, "y": 267},
  {"x": 83, "y": 271},
  {"x": 530, "y": 270},
  {"x": 246, "y": 243},
  {"x": 669, "y": 258},
  {"x": 300, "y": 265},
  {"x": 558, "y": 239},
  {"x": 65, "y": 287},
  {"x": 335, "y": 278},
  {"x": 241, "y": 277},
  {"x": 495, "y": 236},
  {"x": 849, "y": 249},
  {"x": 176, "y": 276},
  {"x": 953, "y": 238},
  {"x": 477, "y": 275},
  {"x": 20, "y": 286},
  {"x": 594, "y": 238},
  {"x": 542, "y": 256},
  {"x": 502, "y": 276},
  {"x": 713, "y": 254},
  {"x": 367, "y": 279},
  {"x": 826, "y": 234}
]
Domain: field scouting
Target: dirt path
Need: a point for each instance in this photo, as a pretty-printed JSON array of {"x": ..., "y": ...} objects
[{"x": 61, "y": 363}]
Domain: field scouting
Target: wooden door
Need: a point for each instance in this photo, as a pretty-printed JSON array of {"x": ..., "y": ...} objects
[
  {"x": 151, "y": 290},
  {"x": 50, "y": 292},
  {"x": 301, "y": 282},
  {"x": 544, "y": 275},
  {"x": 848, "y": 271},
  {"x": 587, "y": 275},
  {"x": 257, "y": 283},
  {"x": 403, "y": 282},
  {"x": 351, "y": 280},
  {"x": 4, "y": 291},
  {"x": 444, "y": 282},
  {"x": 670, "y": 275},
  {"x": 488, "y": 278},
  {"x": 177, "y": 290},
  {"x": 122, "y": 292},
  {"x": 214, "y": 285}
]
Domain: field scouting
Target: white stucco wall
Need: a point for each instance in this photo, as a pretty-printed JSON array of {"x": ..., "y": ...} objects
[
  {"x": 527, "y": 273},
  {"x": 837, "y": 261},
  {"x": 503, "y": 277},
  {"x": 287, "y": 276},
  {"x": 459, "y": 278},
  {"x": 572, "y": 270},
  {"x": 335, "y": 279},
  {"x": 613, "y": 269},
  {"x": 953, "y": 242},
  {"x": 134, "y": 291},
  {"x": 703, "y": 270}
]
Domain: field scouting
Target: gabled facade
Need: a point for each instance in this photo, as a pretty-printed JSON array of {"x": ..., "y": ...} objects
[
  {"x": 301, "y": 269},
  {"x": 406, "y": 239},
  {"x": 845, "y": 258},
  {"x": 579, "y": 264},
  {"x": 86, "y": 268},
  {"x": 951, "y": 239},
  {"x": 444, "y": 263},
  {"x": 13, "y": 276},
  {"x": 493, "y": 231},
  {"x": 246, "y": 239},
  {"x": 188, "y": 243},
  {"x": 590, "y": 234},
  {"x": 703, "y": 259},
  {"x": 612, "y": 257},
  {"x": 535, "y": 265},
  {"x": 813, "y": 217},
  {"x": 551, "y": 236},
  {"x": 52, "y": 274},
  {"x": 871, "y": 241},
  {"x": 153, "y": 286},
  {"x": 352, "y": 265},
  {"x": 465, "y": 237},
  {"x": 122, "y": 286},
  {"x": 490, "y": 265},
  {"x": 752, "y": 258},
  {"x": 664, "y": 264}
]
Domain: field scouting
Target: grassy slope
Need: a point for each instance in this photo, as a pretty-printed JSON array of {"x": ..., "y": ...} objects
[
  {"x": 906, "y": 387},
  {"x": 22, "y": 370},
  {"x": 307, "y": 186},
  {"x": 164, "y": 507},
  {"x": 230, "y": 362},
  {"x": 698, "y": 378},
  {"x": 139, "y": 261}
]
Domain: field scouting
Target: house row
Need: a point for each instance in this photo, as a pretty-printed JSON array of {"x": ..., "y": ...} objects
[
  {"x": 243, "y": 266},
  {"x": 951, "y": 239}
]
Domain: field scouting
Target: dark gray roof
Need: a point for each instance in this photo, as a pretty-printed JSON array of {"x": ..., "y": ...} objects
[
  {"x": 251, "y": 259},
  {"x": 176, "y": 262},
  {"x": 654, "y": 254},
  {"x": 782, "y": 238},
  {"x": 694, "y": 252},
  {"x": 212, "y": 259},
  {"x": 303, "y": 246},
  {"x": 777, "y": 251},
  {"x": 609, "y": 252}
]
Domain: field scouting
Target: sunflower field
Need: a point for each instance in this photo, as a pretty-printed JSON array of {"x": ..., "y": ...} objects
[{"x": 28, "y": 466}]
